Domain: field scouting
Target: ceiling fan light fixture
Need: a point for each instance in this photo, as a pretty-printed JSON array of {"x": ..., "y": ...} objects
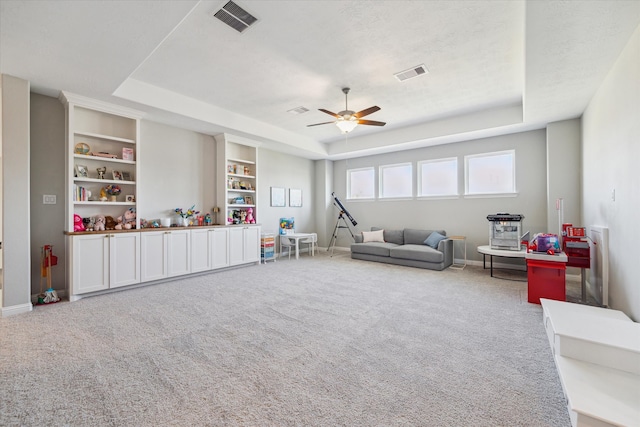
[{"x": 347, "y": 126}]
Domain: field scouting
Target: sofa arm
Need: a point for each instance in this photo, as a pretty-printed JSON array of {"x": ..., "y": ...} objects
[
  {"x": 357, "y": 238},
  {"x": 446, "y": 247}
]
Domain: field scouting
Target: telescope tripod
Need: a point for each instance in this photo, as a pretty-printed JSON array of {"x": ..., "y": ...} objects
[{"x": 334, "y": 237}]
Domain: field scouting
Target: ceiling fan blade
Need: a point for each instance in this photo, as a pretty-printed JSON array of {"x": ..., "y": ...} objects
[
  {"x": 371, "y": 123},
  {"x": 367, "y": 111},
  {"x": 329, "y": 113},
  {"x": 318, "y": 124}
]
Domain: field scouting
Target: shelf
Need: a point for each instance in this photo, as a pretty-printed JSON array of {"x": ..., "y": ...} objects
[
  {"x": 236, "y": 175},
  {"x": 233, "y": 206},
  {"x": 105, "y": 181},
  {"x": 107, "y": 137},
  {"x": 247, "y": 162},
  {"x": 238, "y": 190},
  {"x": 104, "y": 159},
  {"x": 92, "y": 202}
]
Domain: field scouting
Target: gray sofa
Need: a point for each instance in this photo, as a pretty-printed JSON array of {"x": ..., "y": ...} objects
[{"x": 405, "y": 247}]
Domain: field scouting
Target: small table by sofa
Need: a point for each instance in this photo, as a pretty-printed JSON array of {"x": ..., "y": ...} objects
[
  {"x": 486, "y": 250},
  {"x": 463, "y": 239}
]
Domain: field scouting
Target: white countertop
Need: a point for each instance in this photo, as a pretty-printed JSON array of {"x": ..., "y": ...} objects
[{"x": 543, "y": 256}]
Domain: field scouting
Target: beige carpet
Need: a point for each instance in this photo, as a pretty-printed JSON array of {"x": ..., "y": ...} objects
[{"x": 316, "y": 342}]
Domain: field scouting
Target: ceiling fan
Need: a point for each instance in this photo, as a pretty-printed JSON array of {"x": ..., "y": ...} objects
[{"x": 347, "y": 120}]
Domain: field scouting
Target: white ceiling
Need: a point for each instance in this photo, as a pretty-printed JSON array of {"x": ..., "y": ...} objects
[{"x": 495, "y": 67}]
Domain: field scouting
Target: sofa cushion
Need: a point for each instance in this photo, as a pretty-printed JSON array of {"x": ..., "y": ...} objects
[
  {"x": 373, "y": 236},
  {"x": 392, "y": 236},
  {"x": 417, "y": 237},
  {"x": 433, "y": 239},
  {"x": 418, "y": 252},
  {"x": 373, "y": 248}
]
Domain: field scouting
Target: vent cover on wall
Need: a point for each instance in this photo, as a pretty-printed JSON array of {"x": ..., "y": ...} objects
[
  {"x": 235, "y": 17},
  {"x": 411, "y": 73}
]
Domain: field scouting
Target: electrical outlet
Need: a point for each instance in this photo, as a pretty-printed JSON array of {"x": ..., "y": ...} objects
[{"x": 49, "y": 199}]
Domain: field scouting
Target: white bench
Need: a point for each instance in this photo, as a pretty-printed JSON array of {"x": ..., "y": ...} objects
[{"x": 597, "y": 354}]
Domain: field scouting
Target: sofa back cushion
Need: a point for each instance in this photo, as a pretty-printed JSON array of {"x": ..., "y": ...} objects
[
  {"x": 414, "y": 236},
  {"x": 392, "y": 236}
]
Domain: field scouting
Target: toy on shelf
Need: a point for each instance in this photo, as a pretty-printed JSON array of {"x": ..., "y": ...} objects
[
  {"x": 250, "y": 219},
  {"x": 99, "y": 224},
  {"x": 127, "y": 220},
  {"x": 78, "y": 225}
]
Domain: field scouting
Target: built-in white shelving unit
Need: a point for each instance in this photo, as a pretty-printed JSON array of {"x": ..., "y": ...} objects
[{"x": 237, "y": 178}]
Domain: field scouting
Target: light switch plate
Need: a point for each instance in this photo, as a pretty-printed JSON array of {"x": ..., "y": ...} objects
[{"x": 49, "y": 199}]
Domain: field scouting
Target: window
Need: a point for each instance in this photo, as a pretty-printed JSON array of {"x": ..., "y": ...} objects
[
  {"x": 396, "y": 181},
  {"x": 490, "y": 173},
  {"x": 438, "y": 177},
  {"x": 361, "y": 183}
]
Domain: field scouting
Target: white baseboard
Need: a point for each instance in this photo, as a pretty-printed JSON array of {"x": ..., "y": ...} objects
[{"x": 16, "y": 309}]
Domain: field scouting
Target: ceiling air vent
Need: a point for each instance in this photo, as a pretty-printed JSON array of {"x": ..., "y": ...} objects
[
  {"x": 235, "y": 17},
  {"x": 298, "y": 110},
  {"x": 411, "y": 73}
]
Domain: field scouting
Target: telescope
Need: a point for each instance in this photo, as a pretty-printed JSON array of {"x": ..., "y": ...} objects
[{"x": 343, "y": 209}]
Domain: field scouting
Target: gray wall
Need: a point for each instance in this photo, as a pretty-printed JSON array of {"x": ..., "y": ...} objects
[
  {"x": 47, "y": 177},
  {"x": 611, "y": 154},
  {"x": 16, "y": 207},
  {"x": 462, "y": 215},
  {"x": 277, "y": 169}
]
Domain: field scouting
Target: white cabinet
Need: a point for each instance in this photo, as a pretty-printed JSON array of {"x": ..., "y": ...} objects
[
  {"x": 201, "y": 250},
  {"x": 100, "y": 137},
  {"x": 104, "y": 261},
  {"x": 220, "y": 247},
  {"x": 165, "y": 254},
  {"x": 153, "y": 255},
  {"x": 237, "y": 178},
  {"x": 244, "y": 245},
  {"x": 178, "y": 252}
]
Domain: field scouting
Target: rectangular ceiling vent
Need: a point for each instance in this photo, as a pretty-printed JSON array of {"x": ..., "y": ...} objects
[
  {"x": 298, "y": 110},
  {"x": 235, "y": 17},
  {"x": 411, "y": 73}
]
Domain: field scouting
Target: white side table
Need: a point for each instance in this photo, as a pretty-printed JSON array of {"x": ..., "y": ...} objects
[{"x": 464, "y": 242}]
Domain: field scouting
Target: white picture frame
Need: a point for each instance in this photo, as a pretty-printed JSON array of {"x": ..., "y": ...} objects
[
  {"x": 278, "y": 197},
  {"x": 295, "y": 197}
]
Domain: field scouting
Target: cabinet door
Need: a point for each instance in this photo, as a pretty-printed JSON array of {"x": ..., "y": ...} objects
[
  {"x": 251, "y": 236},
  {"x": 236, "y": 246},
  {"x": 153, "y": 255},
  {"x": 200, "y": 250},
  {"x": 220, "y": 247},
  {"x": 90, "y": 263},
  {"x": 124, "y": 259},
  {"x": 179, "y": 252}
]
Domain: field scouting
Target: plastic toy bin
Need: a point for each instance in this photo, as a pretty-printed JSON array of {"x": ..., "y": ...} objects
[{"x": 546, "y": 280}]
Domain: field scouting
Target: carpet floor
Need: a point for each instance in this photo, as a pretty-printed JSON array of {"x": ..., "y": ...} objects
[{"x": 319, "y": 341}]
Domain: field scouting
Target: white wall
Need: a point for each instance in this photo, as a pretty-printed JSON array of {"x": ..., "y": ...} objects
[
  {"x": 459, "y": 216},
  {"x": 611, "y": 157},
  {"x": 177, "y": 170}
]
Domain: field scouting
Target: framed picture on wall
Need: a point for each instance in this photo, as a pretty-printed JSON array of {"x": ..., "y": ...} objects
[
  {"x": 295, "y": 197},
  {"x": 278, "y": 196}
]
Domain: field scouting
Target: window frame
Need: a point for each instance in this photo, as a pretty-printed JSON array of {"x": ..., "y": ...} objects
[
  {"x": 373, "y": 183},
  {"x": 381, "y": 181},
  {"x": 512, "y": 193},
  {"x": 419, "y": 172}
]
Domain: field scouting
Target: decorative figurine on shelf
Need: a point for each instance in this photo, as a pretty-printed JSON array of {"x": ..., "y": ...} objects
[
  {"x": 99, "y": 225},
  {"x": 101, "y": 172},
  {"x": 229, "y": 217},
  {"x": 250, "y": 219},
  {"x": 77, "y": 223},
  {"x": 113, "y": 191},
  {"x": 243, "y": 217},
  {"x": 103, "y": 195},
  {"x": 127, "y": 221},
  {"x": 207, "y": 219}
]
